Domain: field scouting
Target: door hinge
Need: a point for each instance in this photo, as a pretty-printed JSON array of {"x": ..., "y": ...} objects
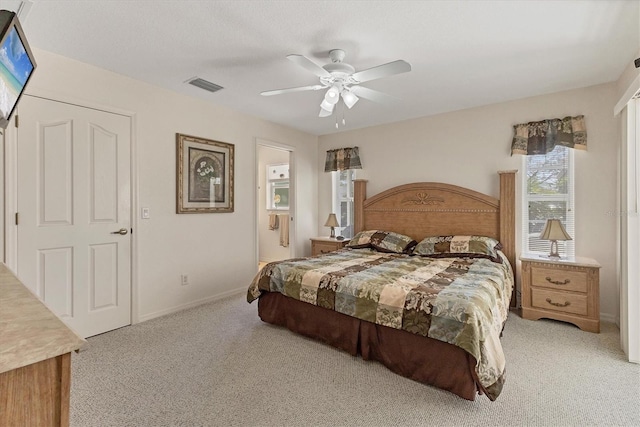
[
  {"x": 17, "y": 121},
  {"x": 17, "y": 218}
]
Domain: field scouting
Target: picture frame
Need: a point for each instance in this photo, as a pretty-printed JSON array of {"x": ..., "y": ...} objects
[{"x": 204, "y": 175}]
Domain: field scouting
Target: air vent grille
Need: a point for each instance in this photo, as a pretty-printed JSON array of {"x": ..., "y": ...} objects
[{"x": 204, "y": 84}]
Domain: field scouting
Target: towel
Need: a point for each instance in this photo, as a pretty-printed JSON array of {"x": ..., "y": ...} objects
[
  {"x": 273, "y": 221},
  {"x": 284, "y": 230}
]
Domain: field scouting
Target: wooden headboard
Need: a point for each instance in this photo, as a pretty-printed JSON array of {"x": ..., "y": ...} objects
[{"x": 434, "y": 209}]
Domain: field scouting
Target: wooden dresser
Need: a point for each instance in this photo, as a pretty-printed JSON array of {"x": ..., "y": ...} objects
[
  {"x": 35, "y": 358},
  {"x": 324, "y": 245},
  {"x": 564, "y": 289}
]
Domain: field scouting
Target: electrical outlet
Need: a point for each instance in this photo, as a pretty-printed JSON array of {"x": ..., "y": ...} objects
[{"x": 184, "y": 278}]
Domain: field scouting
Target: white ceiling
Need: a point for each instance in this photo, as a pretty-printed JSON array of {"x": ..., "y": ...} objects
[{"x": 463, "y": 53}]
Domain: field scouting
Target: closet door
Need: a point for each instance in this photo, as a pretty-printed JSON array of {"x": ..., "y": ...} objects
[
  {"x": 630, "y": 231},
  {"x": 74, "y": 244}
]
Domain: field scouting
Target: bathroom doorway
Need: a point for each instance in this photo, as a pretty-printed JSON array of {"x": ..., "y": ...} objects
[{"x": 274, "y": 202}]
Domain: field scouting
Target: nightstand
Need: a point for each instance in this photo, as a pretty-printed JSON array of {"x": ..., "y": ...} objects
[
  {"x": 324, "y": 245},
  {"x": 562, "y": 289}
]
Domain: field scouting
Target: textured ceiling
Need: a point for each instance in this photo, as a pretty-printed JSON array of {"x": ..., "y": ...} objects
[{"x": 463, "y": 53}]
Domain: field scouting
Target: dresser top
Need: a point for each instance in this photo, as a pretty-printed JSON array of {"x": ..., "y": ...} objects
[
  {"x": 29, "y": 331},
  {"x": 575, "y": 261}
]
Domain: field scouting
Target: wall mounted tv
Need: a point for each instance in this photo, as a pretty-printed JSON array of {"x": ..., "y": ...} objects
[{"x": 16, "y": 64}]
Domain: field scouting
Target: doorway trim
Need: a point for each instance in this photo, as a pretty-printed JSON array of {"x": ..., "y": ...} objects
[
  {"x": 11, "y": 185},
  {"x": 292, "y": 189}
]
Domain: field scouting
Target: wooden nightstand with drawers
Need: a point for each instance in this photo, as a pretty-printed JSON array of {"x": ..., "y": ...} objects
[
  {"x": 324, "y": 245},
  {"x": 562, "y": 289}
]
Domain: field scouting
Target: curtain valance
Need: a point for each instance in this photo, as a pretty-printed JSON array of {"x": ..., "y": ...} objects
[
  {"x": 541, "y": 137},
  {"x": 342, "y": 159}
]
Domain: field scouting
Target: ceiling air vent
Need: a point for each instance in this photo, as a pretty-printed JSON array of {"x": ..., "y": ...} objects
[{"x": 204, "y": 84}]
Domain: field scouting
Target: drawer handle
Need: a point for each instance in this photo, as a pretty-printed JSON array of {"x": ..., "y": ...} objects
[
  {"x": 557, "y": 282},
  {"x": 557, "y": 304}
]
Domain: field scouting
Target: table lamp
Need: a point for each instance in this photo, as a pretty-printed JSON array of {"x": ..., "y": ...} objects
[
  {"x": 554, "y": 231},
  {"x": 332, "y": 222}
]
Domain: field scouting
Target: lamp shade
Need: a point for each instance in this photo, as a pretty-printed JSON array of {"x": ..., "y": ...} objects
[
  {"x": 554, "y": 230},
  {"x": 332, "y": 221}
]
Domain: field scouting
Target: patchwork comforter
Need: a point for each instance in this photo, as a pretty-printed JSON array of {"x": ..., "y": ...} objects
[{"x": 461, "y": 301}]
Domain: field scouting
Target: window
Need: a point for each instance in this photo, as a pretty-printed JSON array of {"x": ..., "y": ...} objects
[
  {"x": 278, "y": 187},
  {"x": 548, "y": 193},
  {"x": 342, "y": 191}
]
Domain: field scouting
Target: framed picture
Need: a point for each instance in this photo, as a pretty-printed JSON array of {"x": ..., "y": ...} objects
[{"x": 204, "y": 175}]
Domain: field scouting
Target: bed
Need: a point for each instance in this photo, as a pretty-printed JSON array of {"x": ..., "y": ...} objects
[{"x": 458, "y": 348}]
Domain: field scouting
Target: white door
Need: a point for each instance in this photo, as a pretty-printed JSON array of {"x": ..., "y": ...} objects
[{"x": 74, "y": 205}]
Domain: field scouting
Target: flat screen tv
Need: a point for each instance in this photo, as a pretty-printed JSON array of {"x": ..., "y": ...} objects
[{"x": 16, "y": 64}]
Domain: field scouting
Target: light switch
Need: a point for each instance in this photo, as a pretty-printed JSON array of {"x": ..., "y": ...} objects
[{"x": 145, "y": 213}]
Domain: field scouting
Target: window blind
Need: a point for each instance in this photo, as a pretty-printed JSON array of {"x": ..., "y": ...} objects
[
  {"x": 548, "y": 192},
  {"x": 342, "y": 196}
]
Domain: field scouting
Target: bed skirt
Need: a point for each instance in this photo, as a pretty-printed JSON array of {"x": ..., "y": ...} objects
[{"x": 422, "y": 359}]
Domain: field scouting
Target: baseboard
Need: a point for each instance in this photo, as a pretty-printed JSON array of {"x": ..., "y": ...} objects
[
  {"x": 609, "y": 318},
  {"x": 192, "y": 304}
]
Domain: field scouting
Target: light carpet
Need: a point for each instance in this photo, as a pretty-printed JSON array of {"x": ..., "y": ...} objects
[{"x": 219, "y": 365}]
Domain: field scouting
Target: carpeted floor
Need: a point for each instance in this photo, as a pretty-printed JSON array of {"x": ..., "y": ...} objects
[{"x": 219, "y": 365}]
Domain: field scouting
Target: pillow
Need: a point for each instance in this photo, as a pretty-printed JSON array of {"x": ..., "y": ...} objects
[
  {"x": 459, "y": 246},
  {"x": 383, "y": 241}
]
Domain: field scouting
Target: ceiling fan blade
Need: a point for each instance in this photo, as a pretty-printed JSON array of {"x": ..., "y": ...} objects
[
  {"x": 384, "y": 70},
  {"x": 292, "y": 89},
  {"x": 373, "y": 95},
  {"x": 309, "y": 65}
]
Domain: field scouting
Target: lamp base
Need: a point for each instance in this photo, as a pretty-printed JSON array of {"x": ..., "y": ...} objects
[
  {"x": 333, "y": 233},
  {"x": 554, "y": 250}
]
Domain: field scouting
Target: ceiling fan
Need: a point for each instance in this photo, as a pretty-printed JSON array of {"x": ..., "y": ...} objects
[{"x": 341, "y": 80}]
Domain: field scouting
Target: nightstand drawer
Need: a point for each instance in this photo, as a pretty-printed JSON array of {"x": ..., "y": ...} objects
[
  {"x": 324, "y": 245},
  {"x": 560, "y": 279},
  {"x": 323, "y": 248},
  {"x": 563, "y": 302}
]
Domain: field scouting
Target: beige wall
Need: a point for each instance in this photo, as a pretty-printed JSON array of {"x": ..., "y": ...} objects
[
  {"x": 218, "y": 251},
  {"x": 627, "y": 83},
  {"x": 468, "y": 147}
]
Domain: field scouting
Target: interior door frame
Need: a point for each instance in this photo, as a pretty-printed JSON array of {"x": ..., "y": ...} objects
[
  {"x": 292, "y": 190},
  {"x": 11, "y": 186}
]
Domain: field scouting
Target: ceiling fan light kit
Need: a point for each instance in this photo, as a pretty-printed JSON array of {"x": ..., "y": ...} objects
[
  {"x": 325, "y": 113},
  {"x": 341, "y": 81},
  {"x": 349, "y": 98},
  {"x": 326, "y": 105},
  {"x": 333, "y": 95}
]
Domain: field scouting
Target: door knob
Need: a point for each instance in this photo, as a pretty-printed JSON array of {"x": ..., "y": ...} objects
[{"x": 121, "y": 232}]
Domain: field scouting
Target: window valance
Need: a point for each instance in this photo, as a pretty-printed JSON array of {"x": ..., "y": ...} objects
[
  {"x": 342, "y": 159},
  {"x": 541, "y": 137}
]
